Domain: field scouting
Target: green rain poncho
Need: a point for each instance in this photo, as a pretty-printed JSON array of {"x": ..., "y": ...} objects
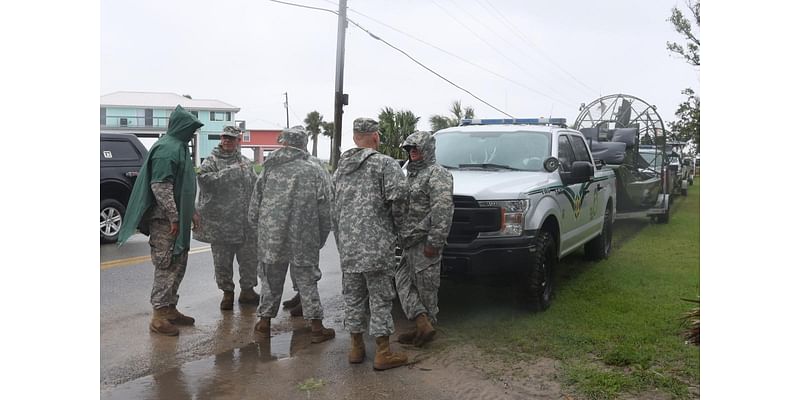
[{"x": 168, "y": 161}]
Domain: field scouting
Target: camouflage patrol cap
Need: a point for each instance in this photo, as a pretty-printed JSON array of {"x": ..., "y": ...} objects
[
  {"x": 295, "y": 136},
  {"x": 365, "y": 125},
  {"x": 231, "y": 131}
]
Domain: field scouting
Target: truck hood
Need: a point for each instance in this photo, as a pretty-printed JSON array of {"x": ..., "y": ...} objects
[{"x": 497, "y": 185}]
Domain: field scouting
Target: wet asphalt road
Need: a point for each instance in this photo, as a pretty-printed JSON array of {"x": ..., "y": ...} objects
[{"x": 220, "y": 358}]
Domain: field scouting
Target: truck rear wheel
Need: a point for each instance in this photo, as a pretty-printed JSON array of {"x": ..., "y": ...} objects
[
  {"x": 600, "y": 247},
  {"x": 538, "y": 282}
]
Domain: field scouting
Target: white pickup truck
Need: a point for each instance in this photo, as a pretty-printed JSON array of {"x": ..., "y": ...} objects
[{"x": 526, "y": 193}]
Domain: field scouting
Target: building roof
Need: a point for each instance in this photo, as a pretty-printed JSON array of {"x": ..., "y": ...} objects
[{"x": 162, "y": 100}]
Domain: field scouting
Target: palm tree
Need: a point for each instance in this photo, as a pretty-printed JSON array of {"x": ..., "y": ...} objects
[
  {"x": 439, "y": 122},
  {"x": 313, "y": 121},
  {"x": 395, "y": 128}
]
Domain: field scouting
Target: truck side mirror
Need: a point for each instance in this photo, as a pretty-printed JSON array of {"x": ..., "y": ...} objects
[{"x": 581, "y": 171}]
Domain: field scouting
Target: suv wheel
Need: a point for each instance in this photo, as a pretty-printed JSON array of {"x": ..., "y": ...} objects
[
  {"x": 600, "y": 247},
  {"x": 111, "y": 213},
  {"x": 538, "y": 290}
]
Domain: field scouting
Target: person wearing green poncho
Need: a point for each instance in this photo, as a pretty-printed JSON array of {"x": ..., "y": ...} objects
[{"x": 162, "y": 206}]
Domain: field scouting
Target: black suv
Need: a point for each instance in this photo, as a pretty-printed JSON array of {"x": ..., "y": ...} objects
[{"x": 121, "y": 156}]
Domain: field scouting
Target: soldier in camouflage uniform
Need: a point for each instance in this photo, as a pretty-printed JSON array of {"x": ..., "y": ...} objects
[
  {"x": 226, "y": 181},
  {"x": 161, "y": 205},
  {"x": 291, "y": 205},
  {"x": 294, "y": 305},
  {"x": 369, "y": 189},
  {"x": 426, "y": 224}
]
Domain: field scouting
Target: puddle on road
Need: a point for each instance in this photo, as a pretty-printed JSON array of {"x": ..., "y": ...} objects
[{"x": 213, "y": 376}]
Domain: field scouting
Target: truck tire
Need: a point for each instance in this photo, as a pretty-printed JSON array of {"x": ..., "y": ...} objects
[
  {"x": 111, "y": 214},
  {"x": 600, "y": 247},
  {"x": 538, "y": 280}
]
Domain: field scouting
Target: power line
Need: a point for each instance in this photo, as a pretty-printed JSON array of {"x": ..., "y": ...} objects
[
  {"x": 426, "y": 67},
  {"x": 513, "y": 28},
  {"x": 459, "y": 57},
  {"x": 491, "y": 46},
  {"x": 401, "y": 51}
]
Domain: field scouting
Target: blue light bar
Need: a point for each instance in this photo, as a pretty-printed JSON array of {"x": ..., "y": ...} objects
[{"x": 515, "y": 121}]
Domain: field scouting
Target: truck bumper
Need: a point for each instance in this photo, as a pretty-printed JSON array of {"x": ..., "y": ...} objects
[{"x": 487, "y": 256}]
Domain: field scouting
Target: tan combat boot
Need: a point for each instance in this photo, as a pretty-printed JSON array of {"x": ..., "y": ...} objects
[
  {"x": 385, "y": 359},
  {"x": 177, "y": 318},
  {"x": 357, "y": 350},
  {"x": 160, "y": 324},
  {"x": 249, "y": 296},
  {"x": 320, "y": 333},
  {"x": 425, "y": 331},
  {"x": 262, "y": 328},
  {"x": 227, "y": 300}
]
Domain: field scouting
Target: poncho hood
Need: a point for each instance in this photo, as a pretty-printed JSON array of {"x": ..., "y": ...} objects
[
  {"x": 352, "y": 159},
  {"x": 426, "y": 143},
  {"x": 284, "y": 155}
]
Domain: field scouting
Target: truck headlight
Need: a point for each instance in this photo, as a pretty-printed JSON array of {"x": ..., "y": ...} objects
[{"x": 512, "y": 217}]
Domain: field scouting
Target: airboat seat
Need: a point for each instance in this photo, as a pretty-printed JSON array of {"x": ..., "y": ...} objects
[
  {"x": 609, "y": 152},
  {"x": 625, "y": 135}
]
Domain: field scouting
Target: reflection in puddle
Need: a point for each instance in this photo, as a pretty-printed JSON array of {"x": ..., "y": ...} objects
[{"x": 213, "y": 377}]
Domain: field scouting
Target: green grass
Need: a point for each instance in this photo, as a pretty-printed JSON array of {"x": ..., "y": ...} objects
[{"x": 615, "y": 325}]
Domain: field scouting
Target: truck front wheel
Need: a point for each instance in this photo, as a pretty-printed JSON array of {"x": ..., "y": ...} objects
[{"x": 538, "y": 290}]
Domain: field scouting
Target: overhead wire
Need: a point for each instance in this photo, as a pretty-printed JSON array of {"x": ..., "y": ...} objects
[
  {"x": 532, "y": 44},
  {"x": 399, "y": 50},
  {"x": 480, "y": 22},
  {"x": 491, "y": 46},
  {"x": 458, "y": 57}
]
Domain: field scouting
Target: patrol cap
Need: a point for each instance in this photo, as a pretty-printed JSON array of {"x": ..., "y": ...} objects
[
  {"x": 365, "y": 125},
  {"x": 231, "y": 131},
  {"x": 295, "y": 136}
]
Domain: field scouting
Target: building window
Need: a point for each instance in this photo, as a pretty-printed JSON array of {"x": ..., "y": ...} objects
[
  {"x": 123, "y": 122},
  {"x": 148, "y": 117},
  {"x": 102, "y": 116},
  {"x": 220, "y": 116},
  {"x": 246, "y": 136}
]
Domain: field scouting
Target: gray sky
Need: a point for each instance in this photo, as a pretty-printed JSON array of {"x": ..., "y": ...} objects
[{"x": 249, "y": 52}]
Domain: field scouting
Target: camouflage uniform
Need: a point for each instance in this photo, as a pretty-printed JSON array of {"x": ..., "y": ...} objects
[
  {"x": 169, "y": 268},
  {"x": 291, "y": 205},
  {"x": 429, "y": 213},
  {"x": 226, "y": 183},
  {"x": 368, "y": 187}
]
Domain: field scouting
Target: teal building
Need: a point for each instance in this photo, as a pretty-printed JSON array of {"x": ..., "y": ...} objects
[{"x": 146, "y": 115}]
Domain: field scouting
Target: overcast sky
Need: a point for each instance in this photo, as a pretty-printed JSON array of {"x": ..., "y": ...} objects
[{"x": 526, "y": 58}]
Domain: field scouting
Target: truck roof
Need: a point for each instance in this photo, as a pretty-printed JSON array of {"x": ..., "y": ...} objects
[{"x": 507, "y": 128}]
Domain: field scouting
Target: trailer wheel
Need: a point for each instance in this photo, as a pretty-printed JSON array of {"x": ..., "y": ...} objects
[
  {"x": 664, "y": 218},
  {"x": 538, "y": 279},
  {"x": 600, "y": 247}
]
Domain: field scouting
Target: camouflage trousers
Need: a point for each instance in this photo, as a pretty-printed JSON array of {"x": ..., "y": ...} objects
[
  {"x": 368, "y": 301},
  {"x": 273, "y": 277},
  {"x": 169, "y": 269},
  {"x": 247, "y": 258},
  {"x": 417, "y": 279}
]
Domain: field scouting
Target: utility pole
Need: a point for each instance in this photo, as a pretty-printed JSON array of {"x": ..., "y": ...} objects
[
  {"x": 340, "y": 99},
  {"x": 286, "y": 104}
]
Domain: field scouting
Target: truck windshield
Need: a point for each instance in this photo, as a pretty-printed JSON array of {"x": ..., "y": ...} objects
[{"x": 507, "y": 150}]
